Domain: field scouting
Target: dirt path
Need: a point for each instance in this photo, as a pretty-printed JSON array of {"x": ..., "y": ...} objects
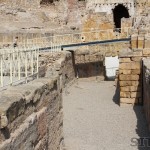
[{"x": 93, "y": 120}]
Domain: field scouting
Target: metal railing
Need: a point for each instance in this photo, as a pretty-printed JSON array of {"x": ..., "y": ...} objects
[
  {"x": 18, "y": 65},
  {"x": 56, "y": 41}
]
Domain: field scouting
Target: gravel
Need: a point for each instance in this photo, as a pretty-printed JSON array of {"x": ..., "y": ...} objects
[{"x": 94, "y": 121}]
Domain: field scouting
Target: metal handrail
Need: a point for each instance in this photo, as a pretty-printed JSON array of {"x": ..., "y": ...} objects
[{"x": 18, "y": 65}]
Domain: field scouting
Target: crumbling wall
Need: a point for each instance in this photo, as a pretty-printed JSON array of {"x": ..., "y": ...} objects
[
  {"x": 31, "y": 115},
  {"x": 146, "y": 88}
]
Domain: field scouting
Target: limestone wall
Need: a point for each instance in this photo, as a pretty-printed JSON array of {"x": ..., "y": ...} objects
[
  {"x": 89, "y": 60},
  {"x": 146, "y": 88},
  {"x": 31, "y": 115},
  {"x": 130, "y": 69}
]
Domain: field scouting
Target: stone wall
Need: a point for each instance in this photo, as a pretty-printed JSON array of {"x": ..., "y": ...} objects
[
  {"x": 89, "y": 60},
  {"x": 31, "y": 115},
  {"x": 130, "y": 77},
  {"x": 146, "y": 88},
  {"x": 130, "y": 69}
]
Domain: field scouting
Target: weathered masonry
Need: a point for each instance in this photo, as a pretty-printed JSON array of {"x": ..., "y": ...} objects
[{"x": 31, "y": 115}]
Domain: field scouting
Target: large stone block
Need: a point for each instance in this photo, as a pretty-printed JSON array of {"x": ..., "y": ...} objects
[
  {"x": 125, "y": 83},
  {"x": 129, "y": 77},
  {"x": 138, "y": 59},
  {"x": 132, "y": 65},
  {"x": 129, "y": 100},
  {"x": 136, "y": 71},
  {"x": 147, "y": 42},
  {"x": 146, "y": 52},
  {"x": 124, "y": 72},
  {"x": 136, "y": 95},
  {"x": 135, "y": 88},
  {"x": 140, "y": 42},
  {"x": 124, "y": 60},
  {"x": 125, "y": 94},
  {"x": 125, "y": 89},
  {"x": 135, "y": 83}
]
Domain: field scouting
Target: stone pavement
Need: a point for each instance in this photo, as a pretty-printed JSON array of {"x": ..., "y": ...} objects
[{"x": 93, "y": 120}]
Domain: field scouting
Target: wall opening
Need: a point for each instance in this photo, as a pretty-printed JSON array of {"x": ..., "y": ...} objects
[
  {"x": 120, "y": 12},
  {"x": 45, "y": 2}
]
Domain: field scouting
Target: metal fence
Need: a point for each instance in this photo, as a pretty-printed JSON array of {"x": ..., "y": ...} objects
[{"x": 18, "y": 65}]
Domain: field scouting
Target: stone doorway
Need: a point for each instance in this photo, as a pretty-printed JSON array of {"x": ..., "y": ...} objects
[{"x": 119, "y": 12}]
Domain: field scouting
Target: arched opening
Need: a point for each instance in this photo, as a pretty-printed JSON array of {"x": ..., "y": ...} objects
[{"x": 120, "y": 12}]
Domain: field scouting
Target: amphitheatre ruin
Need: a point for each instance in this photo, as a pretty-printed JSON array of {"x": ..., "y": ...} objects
[{"x": 74, "y": 75}]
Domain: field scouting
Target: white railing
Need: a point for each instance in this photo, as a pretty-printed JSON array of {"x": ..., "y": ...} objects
[
  {"x": 56, "y": 41},
  {"x": 18, "y": 65}
]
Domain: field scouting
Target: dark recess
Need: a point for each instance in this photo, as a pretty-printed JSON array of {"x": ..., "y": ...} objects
[{"x": 120, "y": 12}]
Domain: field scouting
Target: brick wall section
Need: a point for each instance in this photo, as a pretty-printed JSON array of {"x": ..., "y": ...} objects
[
  {"x": 130, "y": 69},
  {"x": 31, "y": 115},
  {"x": 89, "y": 60},
  {"x": 146, "y": 88},
  {"x": 130, "y": 77}
]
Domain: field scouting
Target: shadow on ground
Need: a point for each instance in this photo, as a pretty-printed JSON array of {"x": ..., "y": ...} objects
[
  {"x": 141, "y": 129},
  {"x": 116, "y": 97},
  {"x": 143, "y": 142}
]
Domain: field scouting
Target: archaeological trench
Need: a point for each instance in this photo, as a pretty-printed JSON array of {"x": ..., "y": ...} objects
[{"x": 31, "y": 114}]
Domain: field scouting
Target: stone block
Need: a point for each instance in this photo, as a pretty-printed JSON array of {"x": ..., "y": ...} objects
[
  {"x": 147, "y": 42},
  {"x": 138, "y": 59},
  {"x": 146, "y": 52},
  {"x": 125, "y": 89},
  {"x": 140, "y": 42},
  {"x": 124, "y": 71},
  {"x": 135, "y": 83},
  {"x": 124, "y": 60},
  {"x": 129, "y": 77},
  {"x": 136, "y": 72},
  {"x": 136, "y": 95},
  {"x": 135, "y": 88},
  {"x": 132, "y": 65},
  {"x": 125, "y": 83},
  {"x": 125, "y": 94},
  {"x": 129, "y": 100}
]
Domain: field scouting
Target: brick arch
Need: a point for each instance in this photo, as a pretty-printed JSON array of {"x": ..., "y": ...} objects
[{"x": 120, "y": 11}]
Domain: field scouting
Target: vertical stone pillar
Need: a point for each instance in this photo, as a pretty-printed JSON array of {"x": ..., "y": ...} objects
[{"x": 130, "y": 77}]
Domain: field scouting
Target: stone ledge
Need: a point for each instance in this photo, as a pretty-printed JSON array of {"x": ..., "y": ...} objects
[{"x": 13, "y": 101}]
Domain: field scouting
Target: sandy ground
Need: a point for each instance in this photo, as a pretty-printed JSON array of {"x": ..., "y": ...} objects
[{"x": 93, "y": 120}]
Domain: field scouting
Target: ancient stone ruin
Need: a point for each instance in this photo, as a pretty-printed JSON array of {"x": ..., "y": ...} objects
[{"x": 59, "y": 41}]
